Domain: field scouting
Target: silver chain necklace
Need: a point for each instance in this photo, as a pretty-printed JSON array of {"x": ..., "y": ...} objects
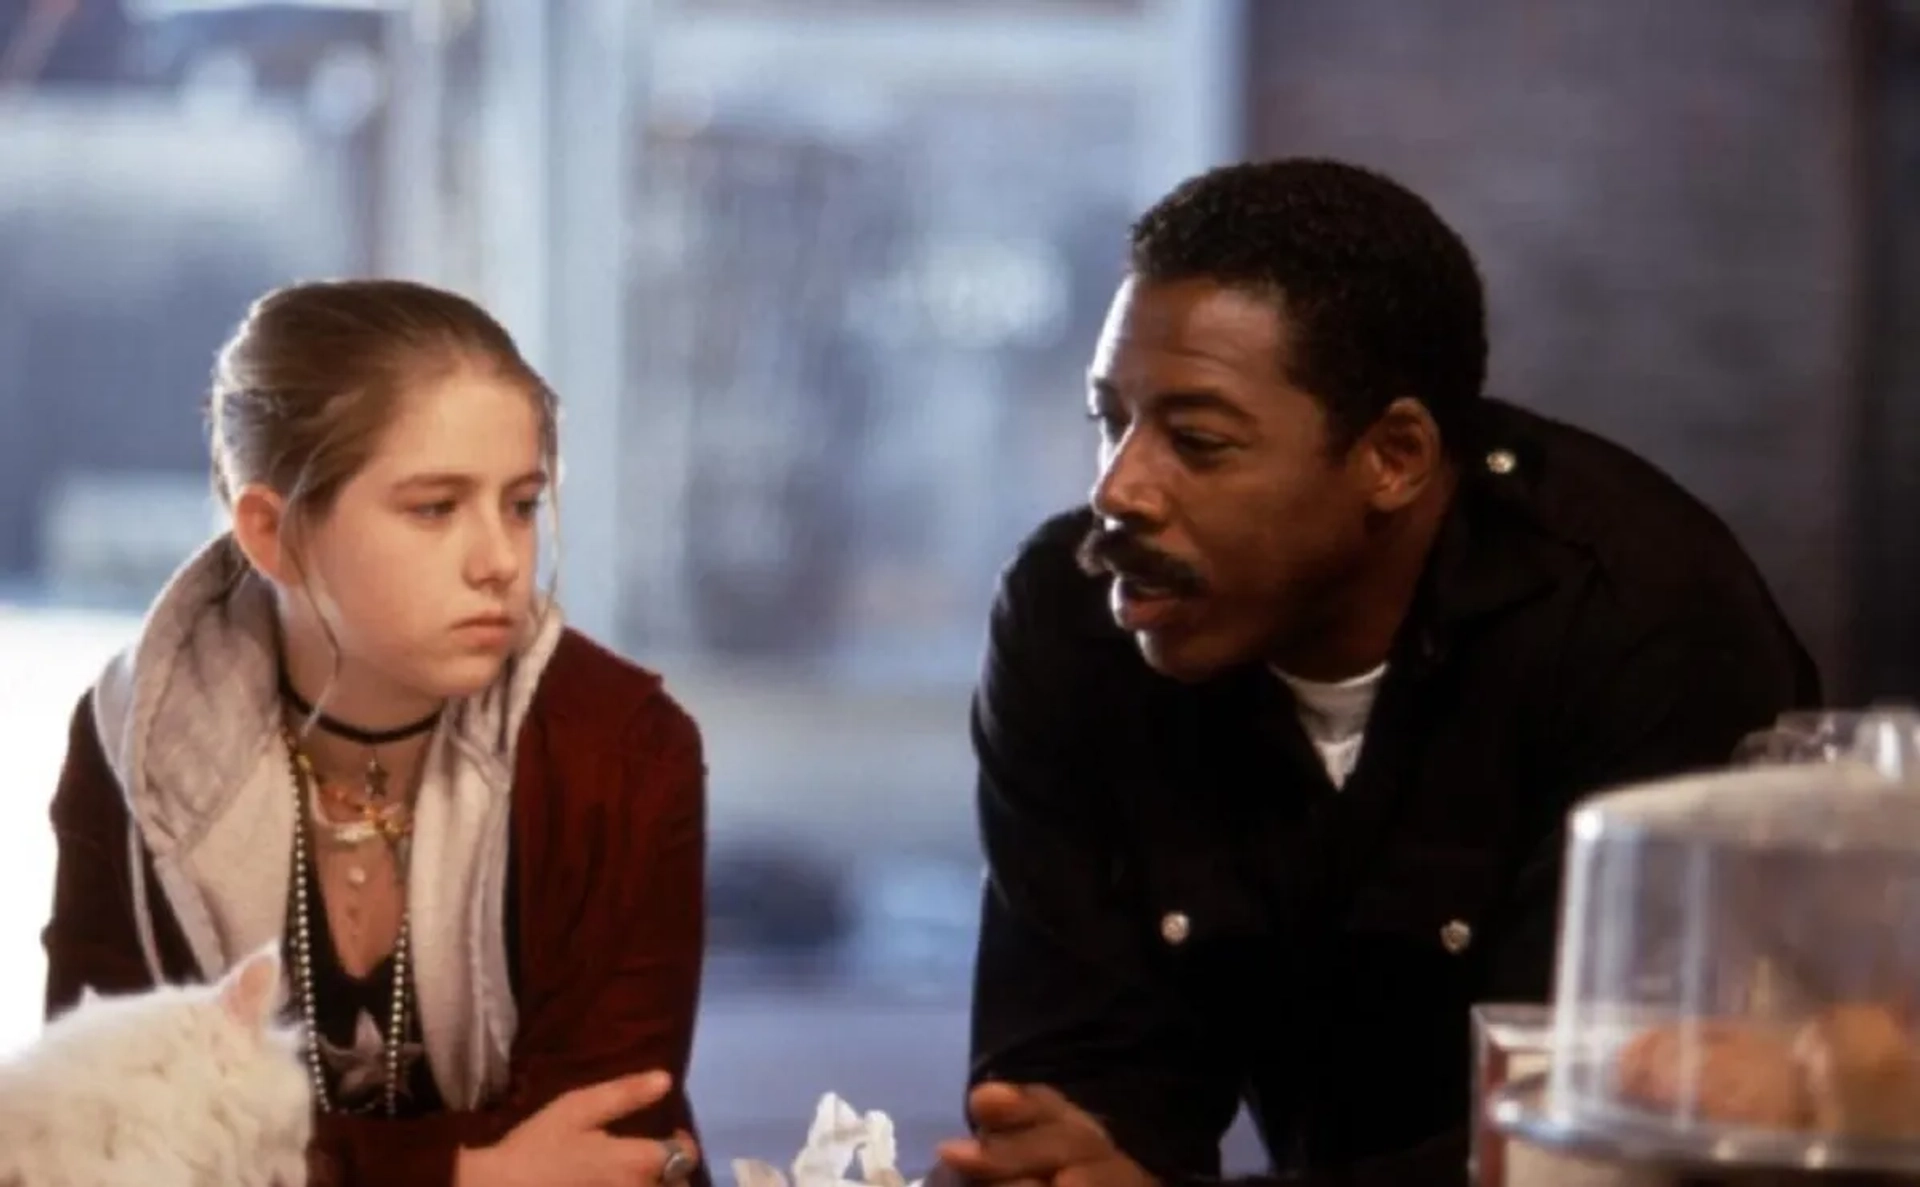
[{"x": 303, "y": 958}]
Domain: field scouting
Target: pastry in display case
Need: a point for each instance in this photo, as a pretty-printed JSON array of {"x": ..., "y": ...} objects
[
  {"x": 1738, "y": 981},
  {"x": 1885, "y": 737}
]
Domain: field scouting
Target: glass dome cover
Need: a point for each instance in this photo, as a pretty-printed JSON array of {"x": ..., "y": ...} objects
[{"x": 1739, "y": 968}]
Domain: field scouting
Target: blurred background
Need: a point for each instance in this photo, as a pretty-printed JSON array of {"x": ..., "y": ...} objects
[{"x": 817, "y": 281}]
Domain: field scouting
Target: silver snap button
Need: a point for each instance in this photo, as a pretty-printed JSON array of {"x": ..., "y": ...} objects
[
  {"x": 1175, "y": 927},
  {"x": 1502, "y": 461},
  {"x": 1455, "y": 936}
]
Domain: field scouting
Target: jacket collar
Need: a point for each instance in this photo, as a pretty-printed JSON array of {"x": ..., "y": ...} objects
[{"x": 1491, "y": 553}]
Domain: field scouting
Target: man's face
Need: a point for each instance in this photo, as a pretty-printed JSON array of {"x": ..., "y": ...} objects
[{"x": 1225, "y": 515}]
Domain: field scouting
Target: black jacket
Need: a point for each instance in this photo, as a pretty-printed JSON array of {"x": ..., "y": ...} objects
[{"x": 1183, "y": 913}]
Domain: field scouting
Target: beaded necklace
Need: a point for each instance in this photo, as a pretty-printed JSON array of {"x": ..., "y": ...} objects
[{"x": 305, "y": 806}]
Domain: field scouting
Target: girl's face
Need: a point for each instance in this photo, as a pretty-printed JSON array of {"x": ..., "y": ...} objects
[{"x": 425, "y": 565}]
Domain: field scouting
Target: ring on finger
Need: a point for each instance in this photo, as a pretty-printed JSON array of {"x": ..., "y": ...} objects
[{"x": 679, "y": 1164}]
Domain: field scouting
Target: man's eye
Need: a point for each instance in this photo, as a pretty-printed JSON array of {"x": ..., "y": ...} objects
[
  {"x": 1201, "y": 445},
  {"x": 439, "y": 510},
  {"x": 1110, "y": 424}
]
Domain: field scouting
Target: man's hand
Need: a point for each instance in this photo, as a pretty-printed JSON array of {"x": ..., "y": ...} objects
[{"x": 1032, "y": 1136}]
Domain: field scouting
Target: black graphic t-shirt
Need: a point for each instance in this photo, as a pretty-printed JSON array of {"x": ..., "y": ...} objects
[{"x": 352, "y": 1015}]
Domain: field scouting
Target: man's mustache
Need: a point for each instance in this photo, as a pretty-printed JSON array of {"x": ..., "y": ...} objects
[{"x": 1119, "y": 552}]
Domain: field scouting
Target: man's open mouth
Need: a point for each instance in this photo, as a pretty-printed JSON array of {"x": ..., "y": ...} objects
[
  {"x": 1144, "y": 588},
  {"x": 1142, "y": 605}
]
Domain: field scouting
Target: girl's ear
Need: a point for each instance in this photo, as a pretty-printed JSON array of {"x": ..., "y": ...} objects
[{"x": 260, "y": 528}]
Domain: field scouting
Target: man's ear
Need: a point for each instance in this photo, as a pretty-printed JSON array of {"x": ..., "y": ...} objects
[
  {"x": 1401, "y": 455},
  {"x": 261, "y": 527}
]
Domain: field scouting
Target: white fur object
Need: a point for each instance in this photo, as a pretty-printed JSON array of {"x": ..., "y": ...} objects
[
  {"x": 181, "y": 1086},
  {"x": 839, "y": 1135}
]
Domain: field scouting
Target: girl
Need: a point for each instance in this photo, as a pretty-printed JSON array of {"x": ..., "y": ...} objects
[{"x": 352, "y": 725}]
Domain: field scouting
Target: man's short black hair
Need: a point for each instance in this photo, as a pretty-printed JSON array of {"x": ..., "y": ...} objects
[{"x": 1382, "y": 298}]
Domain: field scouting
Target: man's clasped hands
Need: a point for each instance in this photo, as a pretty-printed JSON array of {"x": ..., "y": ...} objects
[{"x": 1032, "y": 1136}]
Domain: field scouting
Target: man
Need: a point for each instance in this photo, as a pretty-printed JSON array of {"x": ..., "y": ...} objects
[{"x": 1277, "y": 738}]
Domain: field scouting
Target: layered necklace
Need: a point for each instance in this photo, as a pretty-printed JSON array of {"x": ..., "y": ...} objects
[{"x": 359, "y": 816}]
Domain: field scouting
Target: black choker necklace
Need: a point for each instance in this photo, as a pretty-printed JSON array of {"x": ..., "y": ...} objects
[{"x": 353, "y": 733}]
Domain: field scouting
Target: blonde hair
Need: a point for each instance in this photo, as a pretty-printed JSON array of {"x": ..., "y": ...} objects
[{"x": 314, "y": 373}]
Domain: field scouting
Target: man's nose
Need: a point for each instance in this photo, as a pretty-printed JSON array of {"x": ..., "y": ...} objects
[{"x": 1128, "y": 489}]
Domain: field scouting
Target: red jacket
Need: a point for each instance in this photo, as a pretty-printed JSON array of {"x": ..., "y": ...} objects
[{"x": 609, "y": 837}]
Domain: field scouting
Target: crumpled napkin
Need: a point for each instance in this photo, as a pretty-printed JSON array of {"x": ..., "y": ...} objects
[{"x": 839, "y": 1134}]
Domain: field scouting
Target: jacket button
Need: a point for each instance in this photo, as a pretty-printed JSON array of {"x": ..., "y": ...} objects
[
  {"x": 1175, "y": 927},
  {"x": 1455, "y": 936},
  {"x": 1502, "y": 461}
]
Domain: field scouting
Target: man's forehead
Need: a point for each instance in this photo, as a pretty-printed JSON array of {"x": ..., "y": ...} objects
[{"x": 1187, "y": 326}]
